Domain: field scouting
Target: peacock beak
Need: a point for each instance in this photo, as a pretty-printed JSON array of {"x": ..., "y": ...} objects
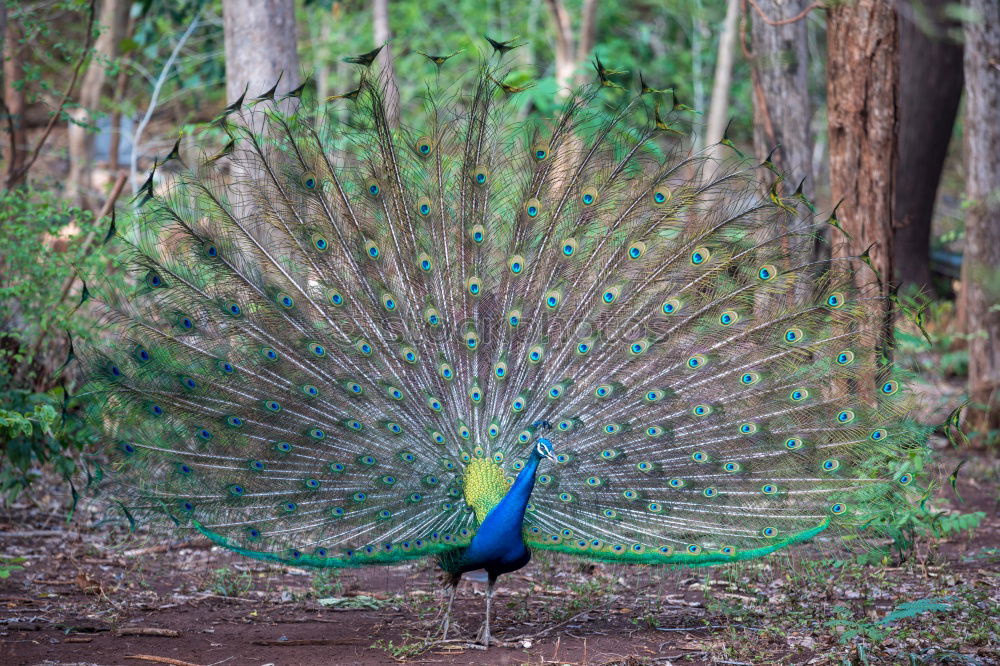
[{"x": 551, "y": 455}]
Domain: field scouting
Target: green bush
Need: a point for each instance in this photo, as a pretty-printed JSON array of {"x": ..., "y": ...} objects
[{"x": 38, "y": 425}]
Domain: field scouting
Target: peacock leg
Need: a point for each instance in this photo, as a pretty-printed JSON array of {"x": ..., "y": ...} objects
[
  {"x": 484, "y": 634},
  {"x": 447, "y": 613}
]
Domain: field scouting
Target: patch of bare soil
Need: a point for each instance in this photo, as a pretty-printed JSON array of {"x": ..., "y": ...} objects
[{"x": 91, "y": 595}]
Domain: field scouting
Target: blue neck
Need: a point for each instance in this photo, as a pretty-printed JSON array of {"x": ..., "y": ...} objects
[
  {"x": 516, "y": 500},
  {"x": 498, "y": 545}
]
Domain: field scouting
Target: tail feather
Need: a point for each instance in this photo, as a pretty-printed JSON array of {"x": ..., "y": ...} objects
[{"x": 330, "y": 321}]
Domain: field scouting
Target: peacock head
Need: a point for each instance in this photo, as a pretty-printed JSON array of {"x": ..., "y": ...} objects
[{"x": 543, "y": 448}]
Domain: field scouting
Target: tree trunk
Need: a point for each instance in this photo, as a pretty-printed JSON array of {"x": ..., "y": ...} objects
[
  {"x": 930, "y": 87},
  {"x": 260, "y": 46},
  {"x": 782, "y": 111},
  {"x": 14, "y": 100},
  {"x": 383, "y": 33},
  {"x": 862, "y": 79},
  {"x": 981, "y": 263},
  {"x": 718, "y": 110},
  {"x": 113, "y": 20},
  {"x": 571, "y": 51}
]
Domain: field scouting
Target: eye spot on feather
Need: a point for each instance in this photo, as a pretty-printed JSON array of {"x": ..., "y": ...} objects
[
  {"x": 141, "y": 355},
  {"x": 830, "y": 465},
  {"x": 845, "y": 357},
  {"x": 729, "y": 317},
  {"x": 185, "y": 323},
  {"x": 516, "y": 264},
  {"x": 363, "y": 347},
  {"x": 654, "y": 507},
  {"x": 394, "y": 428},
  {"x": 231, "y": 421},
  {"x": 408, "y": 353},
  {"x": 905, "y": 479},
  {"x": 630, "y": 495},
  {"x": 676, "y": 483},
  {"x": 610, "y": 454},
  {"x": 748, "y": 428},
  {"x": 638, "y": 347},
  {"x": 236, "y": 490},
  {"x": 612, "y": 428},
  {"x": 317, "y": 433},
  {"x": 749, "y": 378},
  {"x": 282, "y": 447},
  {"x": 424, "y": 146},
  {"x": 793, "y": 335},
  {"x": 210, "y": 250},
  {"x": 423, "y": 206},
  {"x": 845, "y": 416},
  {"x": 769, "y": 489},
  {"x": 373, "y": 189},
  {"x": 310, "y": 390},
  {"x": 228, "y": 368},
  {"x": 878, "y": 435},
  {"x": 700, "y": 457},
  {"x": 583, "y": 347},
  {"x": 700, "y": 256},
  {"x": 320, "y": 243},
  {"x": 594, "y": 481},
  {"x": 793, "y": 443},
  {"x": 636, "y": 250},
  {"x": 480, "y": 175},
  {"x": 661, "y": 195},
  {"x": 569, "y": 247},
  {"x": 540, "y": 152},
  {"x": 154, "y": 281},
  {"x": 798, "y": 395},
  {"x": 671, "y": 306},
  {"x": 536, "y": 354},
  {"x": 532, "y": 207},
  {"x": 610, "y": 295},
  {"x": 645, "y": 467},
  {"x": 372, "y": 250},
  {"x": 709, "y": 492},
  {"x": 654, "y": 431},
  {"x": 889, "y": 387},
  {"x": 701, "y": 410},
  {"x": 838, "y": 509},
  {"x": 309, "y": 181},
  {"x": 524, "y": 436},
  {"x": 769, "y": 532},
  {"x": 424, "y": 262},
  {"x": 336, "y": 467},
  {"x": 474, "y": 285},
  {"x": 434, "y": 404},
  {"x": 767, "y": 272},
  {"x": 565, "y": 425},
  {"x": 156, "y": 410},
  {"x": 589, "y": 196},
  {"x": 693, "y": 549},
  {"x": 835, "y": 300},
  {"x": 204, "y": 434},
  {"x": 696, "y": 361}
]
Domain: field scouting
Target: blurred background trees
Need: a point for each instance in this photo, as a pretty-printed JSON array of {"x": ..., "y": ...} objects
[{"x": 857, "y": 103}]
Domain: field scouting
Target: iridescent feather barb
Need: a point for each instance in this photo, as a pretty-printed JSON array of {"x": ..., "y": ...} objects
[{"x": 341, "y": 336}]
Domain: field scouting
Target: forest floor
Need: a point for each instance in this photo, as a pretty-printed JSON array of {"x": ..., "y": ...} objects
[{"x": 92, "y": 595}]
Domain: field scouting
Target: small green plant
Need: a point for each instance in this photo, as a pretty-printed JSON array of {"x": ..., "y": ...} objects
[
  {"x": 10, "y": 564},
  {"x": 878, "y": 631},
  {"x": 327, "y": 583},
  {"x": 230, "y": 582}
]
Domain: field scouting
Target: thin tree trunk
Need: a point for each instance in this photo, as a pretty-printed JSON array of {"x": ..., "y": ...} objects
[
  {"x": 260, "y": 46},
  {"x": 981, "y": 263},
  {"x": 14, "y": 100},
  {"x": 718, "y": 109},
  {"x": 782, "y": 111},
  {"x": 383, "y": 33},
  {"x": 113, "y": 20},
  {"x": 572, "y": 50},
  {"x": 930, "y": 87},
  {"x": 862, "y": 80}
]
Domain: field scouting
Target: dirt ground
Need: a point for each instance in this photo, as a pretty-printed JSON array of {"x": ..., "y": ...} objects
[{"x": 91, "y": 595}]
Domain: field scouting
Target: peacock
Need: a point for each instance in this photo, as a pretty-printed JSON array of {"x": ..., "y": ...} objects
[{"x": 344, "y": 343}]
